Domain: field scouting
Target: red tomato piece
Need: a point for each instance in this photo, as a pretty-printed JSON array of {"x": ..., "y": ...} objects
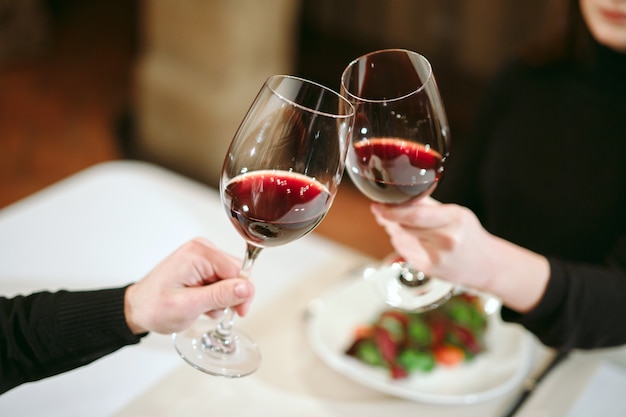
[
  {"x": 386, "y": 345},
  {"x": 362, "y": 332},
  {"x": 438, "y": 332},
  {"x": 398, "y": 372},
  {"x": 449, "y": 355}
]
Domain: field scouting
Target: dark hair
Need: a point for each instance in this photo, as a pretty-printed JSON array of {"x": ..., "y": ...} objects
[{"x": 564, "y": 37}]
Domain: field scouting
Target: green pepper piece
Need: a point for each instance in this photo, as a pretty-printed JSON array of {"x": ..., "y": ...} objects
[
  {"x": 419, "y": 332},
  {"x": 368, "y": 353},
  {"x": 460, "y": 312},
  {"x": 415, "y": 360}
]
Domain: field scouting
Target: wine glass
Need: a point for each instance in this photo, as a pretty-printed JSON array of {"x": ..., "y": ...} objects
[
  {"x": 279, "y": 179},
  {"x": 398, "y": 152}
]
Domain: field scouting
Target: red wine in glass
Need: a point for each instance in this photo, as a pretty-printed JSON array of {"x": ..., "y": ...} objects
[
  {"x": 399, "y": 147},
  {"x": 271, "y": 208},
  {"x": 395, "y": 171}
]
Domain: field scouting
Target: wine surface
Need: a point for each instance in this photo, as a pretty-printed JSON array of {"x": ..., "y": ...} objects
[
  {"x": 391, "y": 170},
  {"x": 271, "y": 208}
]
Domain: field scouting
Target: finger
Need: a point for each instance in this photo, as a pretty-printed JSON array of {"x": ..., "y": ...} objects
[
  {"x": 380, "y": 219},
  {"x": 215, "y": 314},
  {"x": 424, "y": 201},
  {"x": 212, "y": 263},
  {"x": 248, "y": 293},
  {"x": 222, "y": 294},
  {"x": 422, "y": 216},
  {"x": 203, "y": 240},
  {"x": 241, "y": 309}
]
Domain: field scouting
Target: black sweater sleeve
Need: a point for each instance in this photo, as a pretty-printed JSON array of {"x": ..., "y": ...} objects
[
  {"x": 46, "y": 333},
  {"x": 584, "y": 304}
]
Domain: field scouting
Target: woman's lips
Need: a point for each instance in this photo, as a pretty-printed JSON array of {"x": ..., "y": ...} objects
[{"x": 614, "y": 16}]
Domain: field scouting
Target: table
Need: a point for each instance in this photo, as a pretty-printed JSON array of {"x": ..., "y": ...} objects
[{"x": 110, "y": 224}]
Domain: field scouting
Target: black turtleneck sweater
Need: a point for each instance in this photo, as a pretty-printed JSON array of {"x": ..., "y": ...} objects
[{"x": 545, "y": 168}]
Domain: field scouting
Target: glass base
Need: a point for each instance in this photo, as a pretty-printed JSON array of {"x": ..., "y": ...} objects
[
  {"x": 192, "y": 346},
  {"x": 386, "y": 280}
]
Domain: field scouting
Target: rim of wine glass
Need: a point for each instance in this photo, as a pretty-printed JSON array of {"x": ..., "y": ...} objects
[
  {"x": 380, "y": 51},
  {"x": 323, "y": 87}
]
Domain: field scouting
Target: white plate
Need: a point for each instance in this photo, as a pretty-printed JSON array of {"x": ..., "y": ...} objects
[{"x": 504, "y": 364}]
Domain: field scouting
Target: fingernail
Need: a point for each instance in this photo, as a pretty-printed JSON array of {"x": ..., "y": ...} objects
[{"x": 242, "y": 290}]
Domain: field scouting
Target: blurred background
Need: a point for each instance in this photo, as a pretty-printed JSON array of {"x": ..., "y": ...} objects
[{"x": 168, "y": 81}]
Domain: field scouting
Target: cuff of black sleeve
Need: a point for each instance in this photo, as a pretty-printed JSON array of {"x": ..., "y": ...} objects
[
  {"x": 549, "y": 303},
  {"x": 94, "y": 320}
]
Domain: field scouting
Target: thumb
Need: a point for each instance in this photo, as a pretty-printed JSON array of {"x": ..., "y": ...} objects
[{"x": 234, "y": 292}]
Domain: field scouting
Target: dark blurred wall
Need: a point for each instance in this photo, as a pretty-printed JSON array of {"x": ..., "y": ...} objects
[{"x": 465, "y": 40}]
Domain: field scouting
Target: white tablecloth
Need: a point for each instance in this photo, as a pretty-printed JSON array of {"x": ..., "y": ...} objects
[{"x": 108, "y": 225}]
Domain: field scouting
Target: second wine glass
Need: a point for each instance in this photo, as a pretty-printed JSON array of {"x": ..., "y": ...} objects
[
  {"x": 398, "y": 153},
  {"x": 279, "y": 179}
]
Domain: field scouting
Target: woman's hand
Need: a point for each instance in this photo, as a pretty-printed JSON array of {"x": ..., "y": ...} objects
[
  {"x": 196, "y": 279},
  {"x": 448, "y": 241}
]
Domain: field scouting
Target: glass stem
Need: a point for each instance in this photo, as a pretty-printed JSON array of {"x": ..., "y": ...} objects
[{"x": 226, "y": 323}]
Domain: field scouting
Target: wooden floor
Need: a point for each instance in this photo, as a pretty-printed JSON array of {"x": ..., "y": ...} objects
[{"x": 59, "y": 110}]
